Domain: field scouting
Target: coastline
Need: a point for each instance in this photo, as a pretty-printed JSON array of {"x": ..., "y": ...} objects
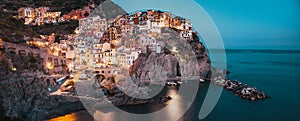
[
  {"x": 255, "y": 110},
  {"x": 107, "y": 104}
]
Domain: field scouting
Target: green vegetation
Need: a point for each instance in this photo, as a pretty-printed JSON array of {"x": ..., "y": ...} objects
[
  {"x": 13, "y": 30},
  {"x": 64, "y": 6},
  {"x": 21, "y": 63},
  {"x": 59, "y": 30}
]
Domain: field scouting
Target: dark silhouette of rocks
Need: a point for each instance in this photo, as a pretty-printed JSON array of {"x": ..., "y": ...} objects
[{"x": 26, "y": 97}]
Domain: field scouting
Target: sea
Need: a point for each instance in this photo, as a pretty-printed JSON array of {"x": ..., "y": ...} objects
[{"x": 276, "y": 72}]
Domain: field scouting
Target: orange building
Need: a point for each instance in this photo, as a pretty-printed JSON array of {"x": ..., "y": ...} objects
[
  {"x": 176, "y": 22},
  {"x": 1, "y": 43}
]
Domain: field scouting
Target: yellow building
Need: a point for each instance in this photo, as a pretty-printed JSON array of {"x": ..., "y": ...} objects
[
  {"x": 121, "y": 60},
  {"x": 25, "y": 12},
  {"x": 28, "y": 12}
]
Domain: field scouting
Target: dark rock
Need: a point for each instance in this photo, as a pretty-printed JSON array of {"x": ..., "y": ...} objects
[
  {"x": 226, "y": 71},
  {"x": 29, "y": 99}
]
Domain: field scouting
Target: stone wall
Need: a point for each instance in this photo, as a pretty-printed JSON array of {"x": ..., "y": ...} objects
[{"x": 60, "y": 63}]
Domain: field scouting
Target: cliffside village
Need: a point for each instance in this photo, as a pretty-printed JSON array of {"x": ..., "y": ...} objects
[
  {"x": 106, "y": 46},
  {"x": 44, "y": 15}
]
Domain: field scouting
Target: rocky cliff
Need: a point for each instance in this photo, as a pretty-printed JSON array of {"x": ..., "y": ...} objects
[
  {"x": 149, "y": 65},
  {"x": 179, "y": 58},
  {"x": 27, "y": 98}
]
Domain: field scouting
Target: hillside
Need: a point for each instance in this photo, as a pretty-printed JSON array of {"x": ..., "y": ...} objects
[
  {"x": 13, "y": 30},
  {"x": 64, "y": 6}
]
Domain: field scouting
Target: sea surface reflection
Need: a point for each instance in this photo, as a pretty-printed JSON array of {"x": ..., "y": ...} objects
[{"x": 169, "y": 111}]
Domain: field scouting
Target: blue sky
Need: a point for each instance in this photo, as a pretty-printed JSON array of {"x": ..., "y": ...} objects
[
  {"x": 243, "y": 24},
  {"x": 256, "y": 24}
]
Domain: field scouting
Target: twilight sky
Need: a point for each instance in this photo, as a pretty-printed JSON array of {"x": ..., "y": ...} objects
[
  {"x": 256, "y": 24},
  {"x": 245, "y": 24}
]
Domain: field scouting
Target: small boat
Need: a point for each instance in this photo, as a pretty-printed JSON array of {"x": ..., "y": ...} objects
[
  {"x": 165, "y": 99},
  {"x": 202, "y": 80},
  {"x": 179, "y": 82},
  {"x": 171, "y": 83},
  {"x": 62, "y": 80}
]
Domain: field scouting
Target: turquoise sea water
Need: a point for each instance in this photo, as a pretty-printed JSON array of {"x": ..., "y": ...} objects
[{"x": 275, "y": 72}]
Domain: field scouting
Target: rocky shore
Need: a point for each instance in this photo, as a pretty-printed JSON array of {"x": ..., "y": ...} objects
[
  {"x": 95, "y": 95},
  {"x": 28, "y": 99},
  {"x": 241, "y": 90}
]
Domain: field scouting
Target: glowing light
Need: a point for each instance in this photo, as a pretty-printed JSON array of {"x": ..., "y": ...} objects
[
  {"x": 14, "y": 69},
  {"x": 174, "y": 49},
  {"x": 38, "y": 43},
  {"x": 69, "y": 117},
  {"x": 55, "y": 53},
  {"x": 70, "y": 66},
  {"x": 76, "y": 31},
  {"x": 1, "y": 42},
  {"x": 49, "y": 65}
]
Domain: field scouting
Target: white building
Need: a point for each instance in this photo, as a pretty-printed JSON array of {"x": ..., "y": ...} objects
[
  {"x": 186, "y": 34},
  {"x": 158, "y": 48},
  {"x": 29, "y": 12},
  {"x": 187, "y": 31},
  {"x": 126, "y": 56},
  {"x": 110, "y": 57},
  {"x": 106, "y": 46},
  {"x": 131, "y": 57},
  {"x": 146, "y": 40},
  {"x": 70, "y": 54}
]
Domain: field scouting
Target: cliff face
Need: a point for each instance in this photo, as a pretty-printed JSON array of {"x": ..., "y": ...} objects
[
  {"x": 150, "y": 65},
  {"x": 189, "y": 59},
  {"x": 153, "y": 66},
  {"x": 26, "y": 97}
]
